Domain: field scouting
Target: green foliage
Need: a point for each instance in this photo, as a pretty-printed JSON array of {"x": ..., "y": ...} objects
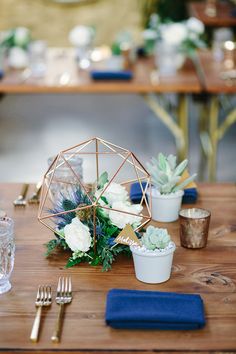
[
  {"x": 106, "y": 232},
  {"x": 51, "y": 245},
  {"x": 155, "y": 238},
  {"x": 103, "y": 179},
  {"x": 166, "y": 174}
]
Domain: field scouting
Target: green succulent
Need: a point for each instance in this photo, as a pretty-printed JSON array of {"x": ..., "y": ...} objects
[
  {"x": 155, "y": 238},
  {"x": 166, "y": 174}
]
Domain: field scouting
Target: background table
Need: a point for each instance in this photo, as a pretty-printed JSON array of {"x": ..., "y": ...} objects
[
  {"x": 210, "y": 272},
  {"x": 63, "y": 76},
  {"x": 223, "y": 16},
  {"x": 212, "y": 131}
]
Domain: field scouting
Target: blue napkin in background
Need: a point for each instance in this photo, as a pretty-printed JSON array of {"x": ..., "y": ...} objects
[
  {"x": 189, "y": 197},
  {"x": 111, "y": 75},
  {"x": 1, "y": 74},
  {"x": 135, "y": 309}
]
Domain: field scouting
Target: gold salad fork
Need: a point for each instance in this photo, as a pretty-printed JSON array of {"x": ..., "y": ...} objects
[
  {"x": 43, "y": 298},
  {"x": 34, "y": 199},
  {"x": 64, "y": 296},
  {"x": 20, "y": 200}
]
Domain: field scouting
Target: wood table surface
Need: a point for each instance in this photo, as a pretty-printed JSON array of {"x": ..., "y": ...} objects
[
  {"x": 223, "y": 16},
  {"x": 210, "y": 71},
  {"x": 62, "y": 60},
  {"x": 210, "y": 272}
]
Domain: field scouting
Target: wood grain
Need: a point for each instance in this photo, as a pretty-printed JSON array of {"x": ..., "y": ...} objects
[
  {"x": 210, "y": 272},
  {"x": 209, "y": 71},
  {"x": 223, "y": 17},
  {"x": 185, "y": 80}
]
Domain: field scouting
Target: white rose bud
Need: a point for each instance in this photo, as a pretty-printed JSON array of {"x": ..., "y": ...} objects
[{"x": 77, "y": 236}]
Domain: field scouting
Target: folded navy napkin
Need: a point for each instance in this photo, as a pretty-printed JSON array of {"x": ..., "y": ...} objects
[
  {"x": 189, "y": 197},
  {"x": 111, "y": 75},
  {"x": 135, "y": 309},
  {"x": 1, "y": 74}
]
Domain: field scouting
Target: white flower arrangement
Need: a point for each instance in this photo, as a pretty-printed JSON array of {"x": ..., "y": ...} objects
[
  {"x": 186, "y": 35},
  {"x": 75, "y": 229}
]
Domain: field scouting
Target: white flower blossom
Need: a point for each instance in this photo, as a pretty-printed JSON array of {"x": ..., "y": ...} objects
[
  {"x": 120, "y": 219},
  {"x": 195, "y": 25},
  {"x": 77, "y": 236},
  {"x": 81, "y": 36},
  {"x": 174, "y": 33},
  {"x": 114, "y": 193}
]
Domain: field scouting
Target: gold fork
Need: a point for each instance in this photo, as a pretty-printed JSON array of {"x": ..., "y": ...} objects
[
  {"x": 20, "y": 200},
  {"x": 64, "y": 296},
  {"x": 34, "y": 199},
  {"x": 43, "y": 298}
]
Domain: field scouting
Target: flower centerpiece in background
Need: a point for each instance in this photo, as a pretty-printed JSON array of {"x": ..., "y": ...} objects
[
  {"x": 16, "y": 42},
  {"x": 87, "y": 216},
  {"x": 175, "y": 41}
]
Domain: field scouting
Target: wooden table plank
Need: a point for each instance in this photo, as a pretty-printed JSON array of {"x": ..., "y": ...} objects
[
  {"x": 210, "y": 71},
  {"x": 210, "y": 272},
  {"x": 223, "y": 16},
  {"x": 185, "y": 81}
]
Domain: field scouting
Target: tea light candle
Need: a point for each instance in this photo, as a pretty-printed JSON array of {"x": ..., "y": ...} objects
[{"x": 194, "y": 225}]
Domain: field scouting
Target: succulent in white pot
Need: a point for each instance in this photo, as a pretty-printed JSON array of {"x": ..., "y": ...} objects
[
  {"x": 167, "y": 187},
  {"x": 153, "y": 259}
]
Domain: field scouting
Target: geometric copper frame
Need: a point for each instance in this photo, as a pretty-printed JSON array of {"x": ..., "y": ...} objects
[{"x": 98, "y": 150}]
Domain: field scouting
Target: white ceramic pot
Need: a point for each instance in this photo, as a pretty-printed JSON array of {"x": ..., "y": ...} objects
[
  {"x": 165, "y": 207},
  {"x": 151, "y": 267}
]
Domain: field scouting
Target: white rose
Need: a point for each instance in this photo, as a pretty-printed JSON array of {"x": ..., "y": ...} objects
[
  {"x": 21, "y": 36},
  {"x": 174, "y": 34},
  {"x": 195, "y": 25},
  {"x": 120, "y": 219},
  {"x": 77, "y": 236},
  {"x": 81, "y": 36},
  {"x": 115, "y": 193},
  {"x": 18, "y": 58}
]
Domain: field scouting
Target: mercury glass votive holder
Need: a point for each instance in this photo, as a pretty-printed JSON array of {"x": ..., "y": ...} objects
[{"x": 194, "y": 226}]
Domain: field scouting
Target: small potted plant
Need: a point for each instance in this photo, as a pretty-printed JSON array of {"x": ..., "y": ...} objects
[
  {"x": 153, "y": 259},
  {"x": 167, "y": 186}
]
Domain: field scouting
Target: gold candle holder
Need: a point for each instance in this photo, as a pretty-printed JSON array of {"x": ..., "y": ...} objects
[
  {"x": 194, "y": 225},
  {"x": 229, "y": 54}
]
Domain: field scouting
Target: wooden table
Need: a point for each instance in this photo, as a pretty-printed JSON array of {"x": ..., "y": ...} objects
[
  {"x": 61, "y": 61},
  {"x": 210, "y": 75},
  {"x": 210, "y": 272},
  {"x": 223, "y": 16}
]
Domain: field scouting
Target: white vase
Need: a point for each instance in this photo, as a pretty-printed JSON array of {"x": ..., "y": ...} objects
[
  {"x": 151, "y": 267},
  {"x": 165, "y": 207}
]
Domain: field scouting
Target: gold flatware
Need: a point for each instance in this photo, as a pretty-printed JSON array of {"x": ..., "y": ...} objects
[
  {"x": 64, "y": 296},
  {"x": 34, "y": 199},
  {"x": 20, "y": 200},
  {"x": 43, "y": 298}
]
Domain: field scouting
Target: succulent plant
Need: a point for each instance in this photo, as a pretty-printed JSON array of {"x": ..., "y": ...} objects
[
  {"x": 166, "y": 174},
  {"x": 155, "y": 238}
]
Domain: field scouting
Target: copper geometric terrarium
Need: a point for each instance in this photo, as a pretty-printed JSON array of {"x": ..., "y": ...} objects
[{"x": 96, "y": 156}]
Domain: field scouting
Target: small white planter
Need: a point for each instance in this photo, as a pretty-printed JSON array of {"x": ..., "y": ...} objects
[
  {"x": 152, "y": 266},
  {"x": 165, "y": 207}
]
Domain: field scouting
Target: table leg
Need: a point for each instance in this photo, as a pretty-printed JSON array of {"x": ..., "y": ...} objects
[
  {"x": 179, "y": 128},
  {"x": 213, "y": 135},
  {"x": 183, "y": 124}
]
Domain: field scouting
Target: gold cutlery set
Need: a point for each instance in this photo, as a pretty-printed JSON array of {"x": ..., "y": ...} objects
[
  {"x": 21, "y": 200},
  {"x": 44, "y": 298}
]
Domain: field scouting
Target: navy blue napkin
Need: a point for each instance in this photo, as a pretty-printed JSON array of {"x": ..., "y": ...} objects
[
  {"x": 189, "y": 197},
  {"x": 135, "y": 309},
  {"x": 111, "y": 75}
]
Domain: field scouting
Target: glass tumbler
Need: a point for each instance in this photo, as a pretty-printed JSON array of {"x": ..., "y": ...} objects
[
  {"x": 194, "y": 225},
  {"x": 7, "y": 252},
  {"x": 37, "y": 55},
  {"x": 64, "y": 180}
]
